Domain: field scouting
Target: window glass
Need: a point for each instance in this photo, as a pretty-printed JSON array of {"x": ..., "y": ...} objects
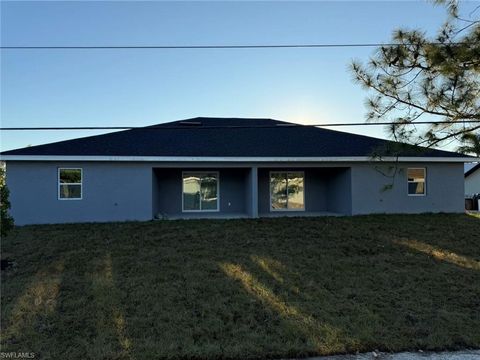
[
  {"x": 416, "y": 174},
  {"x": 209, "y": 192},
  {"x": 416, "y": 181},
  {"x": 70, "y": 183},
  {"x": 191, "y": 192},
  {"x": 278, "y": 189},
  {"x": 200, "y": 191},
  {"x": 287, "y": 191},
  {"x": 69, "y": 176},
  {"x": 415, "y": 188},
  {"x": 70, "y": 191},
  {"x": 295, "y": 191}
]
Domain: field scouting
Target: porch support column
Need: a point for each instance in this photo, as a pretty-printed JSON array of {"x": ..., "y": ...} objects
[{"x": 253, "y": 192}]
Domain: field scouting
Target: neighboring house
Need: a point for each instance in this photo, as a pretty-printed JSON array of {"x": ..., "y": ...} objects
[
  {"x": 472, "y": 180},
  {"x": 225, "y": 168}
]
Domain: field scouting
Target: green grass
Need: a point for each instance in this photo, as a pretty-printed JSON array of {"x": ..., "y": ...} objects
[{"x": 241, "y": 289}]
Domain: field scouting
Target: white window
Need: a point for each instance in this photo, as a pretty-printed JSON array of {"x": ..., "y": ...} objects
[
  {"x": 70, "y": 184},
  {"x": 416, "y": 181},
  {"x": 287, "y": 191},
  {"x": 200, "y": 191}
]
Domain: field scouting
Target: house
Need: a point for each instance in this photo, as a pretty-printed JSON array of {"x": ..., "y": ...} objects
[
  {"x": 472, "y": 179},
  {"x": 226, "y": 168}
]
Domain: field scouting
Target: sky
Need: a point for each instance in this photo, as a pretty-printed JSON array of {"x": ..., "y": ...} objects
[{"x": 145, "y": 87}]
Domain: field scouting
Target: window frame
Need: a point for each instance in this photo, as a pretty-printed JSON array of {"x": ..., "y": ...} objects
[
  {"x": 217, "y": 174},
  {"x": 59, "y": 184},
  {"x": 415, "y": 182},
  {"x": 270, "y": 190}
]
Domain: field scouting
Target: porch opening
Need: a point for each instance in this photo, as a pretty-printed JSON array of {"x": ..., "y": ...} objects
[
  {"x": 200, "y": 193},
  {"x": 304, "y": 192}
]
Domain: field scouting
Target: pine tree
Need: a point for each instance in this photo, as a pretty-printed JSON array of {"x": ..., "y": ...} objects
[{"x": 430, "y": 79}]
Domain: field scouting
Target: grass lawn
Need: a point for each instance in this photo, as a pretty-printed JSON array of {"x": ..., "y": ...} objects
[{"x": 242, "y": 289}]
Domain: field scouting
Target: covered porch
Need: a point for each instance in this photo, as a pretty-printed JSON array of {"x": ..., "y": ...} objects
[
  {"x": 250, "y": 192},
  {"x": 312, "y": 191}
]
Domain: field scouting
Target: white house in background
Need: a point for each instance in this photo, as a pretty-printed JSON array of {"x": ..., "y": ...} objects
[{"x": 472, "y": 179}]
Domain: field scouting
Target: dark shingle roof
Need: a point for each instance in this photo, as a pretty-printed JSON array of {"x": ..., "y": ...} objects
[
  {"x": 472, "y": 170},
  {"x": 241, "y": 137}
]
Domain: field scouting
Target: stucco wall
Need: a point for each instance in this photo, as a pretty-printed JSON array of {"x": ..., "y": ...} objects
[
  {"x": 110, "y": 193},
  {"x": 251, "y": 192},
  {"x": 132, "y": 191},
  {"x": 472, "y": 183},
  {"x": 339, "y": 191},
  {"x": 370, "y": 192}
]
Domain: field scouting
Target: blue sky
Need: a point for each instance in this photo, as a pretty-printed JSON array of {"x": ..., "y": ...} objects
[{"x": 144, "y": 87}]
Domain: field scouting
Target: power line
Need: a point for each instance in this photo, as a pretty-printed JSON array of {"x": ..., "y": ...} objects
[
  {"x": 193, "y": 47},
  {"x": 199, "y": 126}
]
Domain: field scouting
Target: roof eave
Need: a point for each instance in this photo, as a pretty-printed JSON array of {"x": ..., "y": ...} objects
[
  {"x": 472, "y": 170},
  {"x": 235, "y": 158}
]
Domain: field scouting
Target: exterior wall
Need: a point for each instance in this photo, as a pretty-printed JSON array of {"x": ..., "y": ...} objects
[
  {"x": 472, "y": 183},
  {"x": 339, "y": 192},
  {"x": 251, "y": 192},
  {"x": 123, "y": 191},
  {"x": 110, "y": 193},
  {"x": 444, "y": 189},
  {"x": 168, "y": 200}
]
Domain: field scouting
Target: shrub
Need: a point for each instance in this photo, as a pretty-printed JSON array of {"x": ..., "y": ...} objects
[{"x": 6, "y": 220}]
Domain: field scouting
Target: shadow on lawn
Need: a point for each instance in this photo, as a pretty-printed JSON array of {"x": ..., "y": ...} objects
[
  {"x": 109, "y": 313},
  {"x": 35, "y": 305},
  {"x": 69, "y": 309},
  {"x": 369, "y": 293},
  {"x": 322, "y": 337},
  {"x": 375, "y": 311},
  {"x": 244, "y": 289}
]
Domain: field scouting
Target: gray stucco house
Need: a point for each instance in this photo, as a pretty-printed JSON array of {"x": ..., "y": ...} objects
[{"x": 225, "y": 168}]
